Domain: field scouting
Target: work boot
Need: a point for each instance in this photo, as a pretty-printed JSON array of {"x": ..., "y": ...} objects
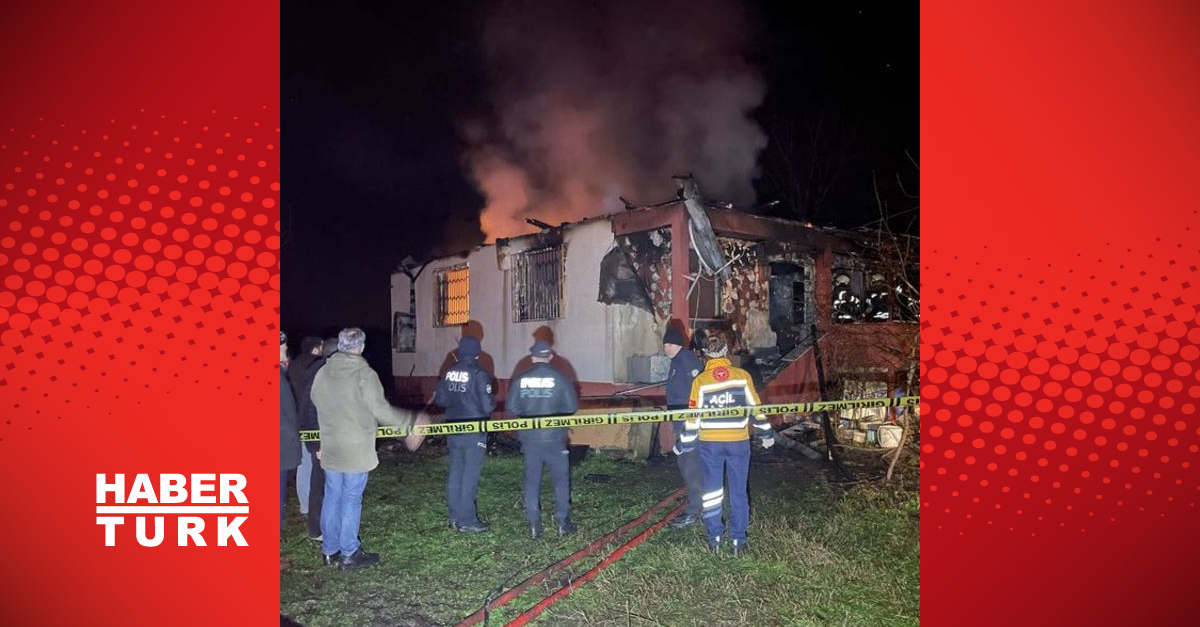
[
  {"x": 714, "y": 545},
  {"x": 475, "y": 527},
  {"x": 535, "y": 529},
  {"x": 686, "y": 520},
  {"x": 454, "y": 525},
  {"x": 566, "y": 528},
  {"x": 739, "y": 548},
  {"x": 331, "y": 560},
  {"x": 359, "y": 559}
]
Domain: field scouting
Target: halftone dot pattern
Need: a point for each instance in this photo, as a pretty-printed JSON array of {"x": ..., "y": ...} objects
[
  {"x": 1058, "y": 402},
  {"x": 127, "y": 272}
]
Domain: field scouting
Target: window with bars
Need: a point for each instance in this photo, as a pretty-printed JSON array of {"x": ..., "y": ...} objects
[
  {"x": 537, "y": 284},
  {"x": 453, "y": 304}
]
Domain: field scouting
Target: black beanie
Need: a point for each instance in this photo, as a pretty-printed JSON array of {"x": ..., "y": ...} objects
[{"x": 674, "y": 336}]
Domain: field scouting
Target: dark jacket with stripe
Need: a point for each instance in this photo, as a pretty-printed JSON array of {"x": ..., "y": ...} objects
[
  {"x": 301, "y": 374},
  {"x": 542, "y": 391},
  {"x": 465, "y": 392}
]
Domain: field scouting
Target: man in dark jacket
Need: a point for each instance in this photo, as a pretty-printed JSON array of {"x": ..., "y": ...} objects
[
  {"x": 289, "y": 436},
  {"x": 310, "y": 477},
  {"x": 685, "y": 365},
  {"x": 544, "y": 391},
  {"x": 465, "y": 392}
]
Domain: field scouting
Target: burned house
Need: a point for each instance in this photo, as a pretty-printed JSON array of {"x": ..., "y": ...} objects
[{"x": 603, "y": 290}]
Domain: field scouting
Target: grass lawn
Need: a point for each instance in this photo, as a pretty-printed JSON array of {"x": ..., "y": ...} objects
[{"x": 821, "y": 554}]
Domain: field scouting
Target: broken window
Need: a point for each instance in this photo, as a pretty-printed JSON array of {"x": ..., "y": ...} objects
[
  {"x": 865, "y": 292},
  {"x": 791, "y": 301},
  {"x": 453, "y": 304},
  {"x": 848, "y": 302},
  {"x": 404, "y": 332},
  {"x": 704, "y": 292},
  {"x": 537, "y": 284}
]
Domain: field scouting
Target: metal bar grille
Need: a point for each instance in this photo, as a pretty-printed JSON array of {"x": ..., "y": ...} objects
[
  {"x": 453, "y": 296},
  {"x": 537, "y": 285}
]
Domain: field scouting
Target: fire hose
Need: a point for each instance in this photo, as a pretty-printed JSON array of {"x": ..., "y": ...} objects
[
  {"x": 516, "y": 591},
  {"x": 562, "y": 592}
]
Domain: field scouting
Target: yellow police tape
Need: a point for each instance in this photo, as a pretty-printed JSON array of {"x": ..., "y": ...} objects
[{"x": 625, "y": 418}]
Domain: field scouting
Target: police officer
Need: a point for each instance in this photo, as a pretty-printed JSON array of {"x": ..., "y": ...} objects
[
  {"x": 685, "y": 365},
  {"x": 465, "y": 392},
  {"x": 544, "y": 391},
  {"x": 724, "y": 443}
]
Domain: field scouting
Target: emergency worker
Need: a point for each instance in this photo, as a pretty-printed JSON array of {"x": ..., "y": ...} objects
[
  {"x": 465, "y": 392},
  {"x": 724, "y": 443},
  {"x": 544, "y": 391},
  {"x": 685, "y": 366}
]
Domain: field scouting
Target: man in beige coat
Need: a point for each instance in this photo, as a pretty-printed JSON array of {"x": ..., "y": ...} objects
[{"x": 350, "y": 407}]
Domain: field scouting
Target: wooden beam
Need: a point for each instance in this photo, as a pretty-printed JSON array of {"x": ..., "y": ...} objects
[
  {"x": 643, "y": 219},
  {"x": 681, "y": 243}
]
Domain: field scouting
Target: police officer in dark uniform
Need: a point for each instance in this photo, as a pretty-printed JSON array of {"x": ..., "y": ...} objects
[
  {"x": 465, "y": 392},
  {"x": 544, "y": 391},
  {"x": 685, "y": 366}
]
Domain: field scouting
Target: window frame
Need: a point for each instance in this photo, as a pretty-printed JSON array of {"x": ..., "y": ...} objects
[
  {"x": 442, "y": 279},
  {"x": 528, "y": 284}
]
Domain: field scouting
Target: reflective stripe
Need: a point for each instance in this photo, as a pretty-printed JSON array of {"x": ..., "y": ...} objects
[
  {"x": 713, "y": 503},
  {"x": 717, "y": 387},
  {"x": 688, "y": 437},
  {"x": 765, "y": 426},
  {"x": 714, "y": 494},
  {"x": 704, "y": 392}
]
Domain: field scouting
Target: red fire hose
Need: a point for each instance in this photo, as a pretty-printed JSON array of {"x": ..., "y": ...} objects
[
  {"x": 541, "y": 576},
  {"x": 558, "y": 595}
]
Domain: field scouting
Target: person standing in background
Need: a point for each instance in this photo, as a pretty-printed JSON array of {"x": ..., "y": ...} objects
[
  {"x": 350, "y": 407},
  {"x": 465, "y": 392},
  {"x": 724, "y": 443},
  {"x": 310, "y": 478},
  {"x": 685, "y": 366},
  {"x": 289, "y": 439},
  {"x": 544, "y": 391}
]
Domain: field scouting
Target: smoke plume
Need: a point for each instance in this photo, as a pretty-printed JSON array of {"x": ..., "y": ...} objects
[{"x": 592, "y": 101}]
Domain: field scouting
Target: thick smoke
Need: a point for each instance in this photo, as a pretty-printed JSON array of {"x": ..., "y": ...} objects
[{"x": 598, "y": 100}]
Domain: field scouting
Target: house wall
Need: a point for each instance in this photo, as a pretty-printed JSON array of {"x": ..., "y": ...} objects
[
  {"x": 593, "y": 341},
  {"x": 581, "y": 336}
]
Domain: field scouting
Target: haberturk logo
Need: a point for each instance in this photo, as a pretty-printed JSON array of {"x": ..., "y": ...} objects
[{"x": 192, "y": 502}]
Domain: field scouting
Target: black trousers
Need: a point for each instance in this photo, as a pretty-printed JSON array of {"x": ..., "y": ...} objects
[
  {"x": 462, "y": 484},
  {"x": 692, "y": 472},
  {"x": 552, "y": 454},
  {"x": 316, "y": 496}
]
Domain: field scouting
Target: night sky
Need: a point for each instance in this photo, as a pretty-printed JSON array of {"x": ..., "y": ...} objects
[{"x": 374, "y": 95}]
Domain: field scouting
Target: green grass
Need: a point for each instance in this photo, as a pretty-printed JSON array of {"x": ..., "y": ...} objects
[{"x": 822, "y": 555}]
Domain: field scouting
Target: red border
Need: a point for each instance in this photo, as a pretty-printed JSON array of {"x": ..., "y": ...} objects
[{"x": 1060, "y": 337}]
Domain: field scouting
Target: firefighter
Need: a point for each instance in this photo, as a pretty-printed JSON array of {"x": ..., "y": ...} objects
[
  {"x": 465, "y": 392},
  {"x": 544, "y": 391},
  {"x": 724, "y": 443},
  {"x": 685, "y": 366}
]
